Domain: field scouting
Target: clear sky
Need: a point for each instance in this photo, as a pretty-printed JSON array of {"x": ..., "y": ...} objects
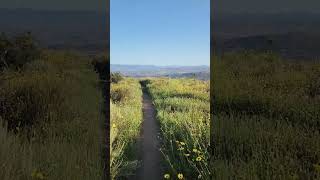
[{"x": 160, "y": 32}]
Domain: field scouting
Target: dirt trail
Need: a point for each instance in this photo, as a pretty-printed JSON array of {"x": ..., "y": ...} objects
[{"x": 150, "y": 143}]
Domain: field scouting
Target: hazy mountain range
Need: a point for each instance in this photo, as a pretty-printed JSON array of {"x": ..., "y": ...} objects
[
  {"x": 200, "y": 72},
  {"x": 292, "y": 35},
  {"x": 79, "y": 30},
  {"x": 295, "y": 45}
]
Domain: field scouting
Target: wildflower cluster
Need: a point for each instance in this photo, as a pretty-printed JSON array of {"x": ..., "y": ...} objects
[
  {"x": 196, "y": 154},
  {"x": 183, "y": 110}
]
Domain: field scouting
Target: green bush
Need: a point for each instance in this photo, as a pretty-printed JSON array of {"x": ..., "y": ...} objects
[
  {"x": 16, "y": 52},
  {"x": 119, "y": 95},
  {"x": 116, "y": 77}
]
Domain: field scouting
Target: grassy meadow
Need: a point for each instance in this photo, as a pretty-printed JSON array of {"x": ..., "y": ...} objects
[
  {"x": 51, "y": 120},
  {"x": 266, "y": 121},
  {"x": 126, "y": 118},
  {"x": 183, "y": 110},
  {"x": 182, "y": 107}
]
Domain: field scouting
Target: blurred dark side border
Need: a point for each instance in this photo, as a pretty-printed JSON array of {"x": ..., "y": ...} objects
[
  {"x": 107, "y": 97},
  {"x": 102, "y": 66},
  {"x": 212, "y": 100}
]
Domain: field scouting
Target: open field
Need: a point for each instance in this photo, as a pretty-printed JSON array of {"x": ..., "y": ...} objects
[
  {"x": 51, "y": 121},
  {"x": 266, "y": 117},
  {"x": 182, "y": 107}
]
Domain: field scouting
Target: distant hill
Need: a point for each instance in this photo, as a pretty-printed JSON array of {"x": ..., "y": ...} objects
[
  {"x": 201, "y": 72},
  {"x": 227, "y": 26},
  {"x": 198, "y": 75},
  {"x": 292, "y": 35},
  {"x": 296, "y": 45},
  {"x": 77, "y": 30}
]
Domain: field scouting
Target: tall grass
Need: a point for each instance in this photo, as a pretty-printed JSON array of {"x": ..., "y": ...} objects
[
  {"x": 183, "y": 111},
  {"x": 126, "y": 118},
  {"x": 51, "y": 120},
  {"x": 266, "y": 116}
]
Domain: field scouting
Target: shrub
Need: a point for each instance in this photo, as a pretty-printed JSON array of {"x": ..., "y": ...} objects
[
  {"x": 101, "y": 66},
  {"x": 31, "y": 99},
  {"x": 18, "y": 51},
  {"x": 116, "y": 77},
  {"x": 119, "y": 95}
]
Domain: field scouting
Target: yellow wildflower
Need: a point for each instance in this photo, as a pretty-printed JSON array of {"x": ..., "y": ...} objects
[
  {"x": 114, "y": 125},
  {"x": 195, "y": 150},
  {"x": 182, "y": 143},
  {"x": 167, "y": 176},
  {"x": 180, "y": 176},
  {"x": 187, "y": 155},
  {"x": 198, "y": 158}
]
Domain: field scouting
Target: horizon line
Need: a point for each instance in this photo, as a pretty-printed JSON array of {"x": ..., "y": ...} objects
[
  {"x": 53, "y": 10},
  {"x": 159, "y": 65}
]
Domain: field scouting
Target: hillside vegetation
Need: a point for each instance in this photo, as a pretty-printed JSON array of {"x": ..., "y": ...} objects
[
  {"x": 266, "y": 117},
  {"x": 183, "y": 109},
  {"x": 126, "y": 118},
  {"x": 51, "y": 121}
]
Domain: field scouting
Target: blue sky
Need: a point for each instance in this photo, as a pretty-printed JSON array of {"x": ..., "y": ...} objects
[{"x": 160, "y": 32}]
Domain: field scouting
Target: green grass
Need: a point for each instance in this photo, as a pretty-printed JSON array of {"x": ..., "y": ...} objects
[
  {"x": 183, "y": 111},
  {"x": 266, "y": 118},
  {"x": 53, "y": 110},
  {"x": 126, "y": 118}
]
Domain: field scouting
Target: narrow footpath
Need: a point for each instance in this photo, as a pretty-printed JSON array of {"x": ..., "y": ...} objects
[{"x": 150, "y": 143}]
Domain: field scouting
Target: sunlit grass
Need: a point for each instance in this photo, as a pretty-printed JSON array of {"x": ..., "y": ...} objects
[
  {"x": 54, "y": 107},
  {"x": 126, "y": 118},
  {"x": 183, "y": 111},
  {"x": 266, "y": 117}
]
